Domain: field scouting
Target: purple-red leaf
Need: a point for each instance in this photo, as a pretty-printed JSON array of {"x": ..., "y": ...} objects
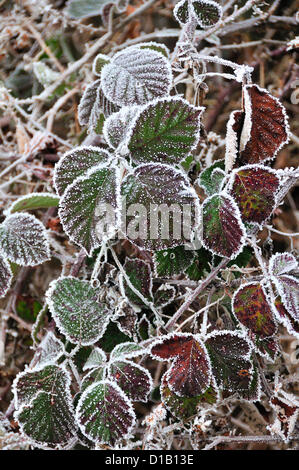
[
  {"x": 254, "y": 188},
  {"x": 251, "y": 307},
  {"x": 133, "y": 379},
  {"x": 223, "y": 232},
  {"x": 190, "y": 374}
]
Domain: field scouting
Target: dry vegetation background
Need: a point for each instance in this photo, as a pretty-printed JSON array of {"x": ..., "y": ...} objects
[{"x": 38, "y": 123}]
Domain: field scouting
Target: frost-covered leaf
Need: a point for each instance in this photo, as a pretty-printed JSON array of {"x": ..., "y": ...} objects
[
  {"x": 207, "y": 12},
  {"x": 92, "y": 104},
  {"x": 5, "y": 275},
  {"x": 268, "y": 347},
  {"x": 252, "y": 309},
  {"x": 181, "y": 12},
  {"x": 254, "y": 189},
  {"x": 34, "y": 201},
  {"x": 155, "y": 46},
  {"x": 288, "y": 288},
  {"x": 190, "y": 373},
  {"x": 165, "y": 131},
  {"x": 172, "y": 261},
  {"x": 140, "y": 275},
  {"x": 45, "y": 74},
  {"x": 126, "y": 318},
  {"x": 104, "y": 413},
  {"x": 95, "y": 375},
  {"x": 283, "y": 316},
  {"x": 186, "y": 407},
  {"x": 286, "y": 417},
  {"x": 136, "y": 76},
  {"x": 230, "y": 352},
  {"x": 78, "y": 9},
  {"x": 283, "y": 268},
  {"x": 99, "y": 62},
  {"x": 116, "y": 127},
  {"x": 222, "y": 229},
  {"x": 132, "y": 378},
  {"x": 96, "y": 358},
  {"x": 23, "y": 240},
  {"x": 76, "y": 163},
  {"x": 164, "y": 295},
  {"x": 87, "y": 207},
  {"x": 162, "y": 195},
  {"x": 265, "y": 127},
  {"x": 126, "y": 351},
  {"x": 211, "y": 178},
  {"x": 75, "y": 308},
  {"x": 144, "y": 328},
  {"x": 49, "y": 350},
  {"x": 200, "y": 265},
  {"x": 232, "y": 140},
  {"x": 29, "y": 382},
  {"x": 282, "y": 263}
]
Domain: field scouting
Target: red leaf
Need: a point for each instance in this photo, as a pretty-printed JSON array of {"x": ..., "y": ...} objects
[
  {"x": 254, "y": 189},
  {"x": 190, "y": 374},
  {"x": 251, "y": 307}
]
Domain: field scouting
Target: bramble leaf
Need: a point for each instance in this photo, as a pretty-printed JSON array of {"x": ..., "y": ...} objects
[
  {"x": 164, "y": 295},
  {"x": 140, "y": 275},
  {"x": 126, "y": 351},
  {"x": 34, "y": 201},
  {"x": 251, "y": 307},
  {"x": 99, "y": 62},
  {"x": 96, "y": 358},
  {"x": 135, "y": 76},
  {"x": 190, "y": 373},
  {"x": 283, "y": 316},
  {"x": 117, "y": 126},
  {"x": 172, "y": 261},
  {"x": 161, "y": 193},
  {"x": 265, "y": 128},
  {"x": 207, "y": 12},
  {"x": 132, "y": 378},
  {"x": 95, "y": 375},
  {"x": 76, "y": 163},
  {"x": 211, "y": 178},
  {"x": 23, "y": 240},
  {"x": 104, "y": 413},
  {"x": 126, "y": 319},
  {"x": 164, "y": 131},
  {"x": 49, "y": 350},
  {"x": 87, "y": 208},
  {"x": 5, "y": 275},
  {"x": 286, "y": 416},
  {"x": 254, "y": 189},
  {"x": 76, "y": 310},
  {"x": 230, "y": 352},
  {"x": 223, "y": 232},
  {"x": 181, "y": 12},
  {"x": 283, "y": 268},
  {"x": 186, "y": 407},
  {"x": 92, "y": 104}
]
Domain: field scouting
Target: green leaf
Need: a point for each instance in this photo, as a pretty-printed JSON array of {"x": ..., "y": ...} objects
[
  {"x": 127, "y": 350},
  {"x": 76, "y": 310},
  {"x": 230, "y": 353},
  {"x": 104, "y": 413},
  {"x": 44, "y": 407},
  {"x": 211, "y": 178},
  {"x": 95, "y": 375},
  {"x": 140, "y": 275},
  {"x": 223, "y": 232},
  {"x": 99, "y": 62},
  {"x": 208, "y": 12},
  {"x": 96, "y": 358},
  {"x": 172, "y": 261},
  {"x": 201, "y": 264},
  {"x": 136, "y": 76},
  {"x": 34, "y": 201},
  {"x": 76, "y": 163},
  {"x": 23, "y": 240},
  {"x": 164, "y": 295},
  {"x": 165, "y": 131},
  {"x": 87, "y": 208}
]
